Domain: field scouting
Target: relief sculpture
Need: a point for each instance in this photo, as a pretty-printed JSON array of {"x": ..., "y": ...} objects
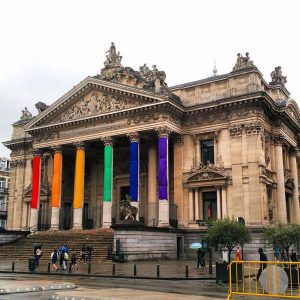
[{"x": 95, "y": 104}]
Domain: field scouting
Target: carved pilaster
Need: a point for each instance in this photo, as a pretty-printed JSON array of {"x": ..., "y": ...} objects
[
  {"x": 133, "y": 137},
  {"x": 163, "y": 131},
  {"x": 236, "y": 131},
  {"x": 107, "y": 141}
]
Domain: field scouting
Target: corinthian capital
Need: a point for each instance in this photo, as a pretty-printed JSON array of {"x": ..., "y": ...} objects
[
  {"x": 80, "y": 145},
  {"x": 236, "y": 130},
  {"x": 294, "y": 151},
  {"x": 163, "y": 131},
  {"x": 254, "y": 128},
  {"x": 134, "y": 137},
  {"x": 278, "y": 139},
  {"x": 107, "y": 141},
  {"x": 57, "y": 149}
]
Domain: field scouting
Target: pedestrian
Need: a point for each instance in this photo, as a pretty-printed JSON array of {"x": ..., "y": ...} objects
[
  {"x": 74, "y": 261},
  {"x": 89, "y": 250},
  {"x": 277, "y": 252},
  {"x": 293, "y": 256},
  {"x": 65, "y": 261},
  {"x": 38, "y": 255},
  {"x": 200, "y": 256},
  {"x": 82, "y": 253},
  {"x": 262, "y": 257},
  {"x": 54, "y": 258}
]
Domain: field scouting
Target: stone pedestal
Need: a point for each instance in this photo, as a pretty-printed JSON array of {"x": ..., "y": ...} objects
[
  {"x": 55, "y": 218},
  {"x": 163, "y": 211},
  {"x": 77, "y": 219},
  {"x": 106, "y": 214}
]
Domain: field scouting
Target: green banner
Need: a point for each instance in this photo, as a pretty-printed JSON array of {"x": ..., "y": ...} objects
[{"x": 107, "y": 173}]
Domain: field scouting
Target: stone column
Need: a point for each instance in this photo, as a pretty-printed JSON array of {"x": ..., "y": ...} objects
[
  {"x": 201, "y": 216},
  {"x": 134, "y": 171},
  {"x": 197, "y": 149},
  {"x": 281, "y": 201},
  {"x": 191, "y": 206},
  {"x": 219, "y": 216},
  {"x": 196, "y": 204},
  {"x": 224, "y": 203},
  {"x": 294, "y": 171},
  {"x": 152, "y": 186},
  {"x": 78, "y": 197},
  {"x": 56, "y": 187},
  {"x": 163, "y": 178},
  {"x": 35, "y": 193},
  {"x": 108, "y": 180}
]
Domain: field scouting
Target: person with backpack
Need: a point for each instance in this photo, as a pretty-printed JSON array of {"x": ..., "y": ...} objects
[
  {"x": 54, "y": 258},
  {"x": 65, "y": 261}
]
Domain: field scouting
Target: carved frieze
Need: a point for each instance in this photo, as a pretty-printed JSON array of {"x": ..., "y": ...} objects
[
  {"x": 97, "y": 103},
  {"x": 146, "y": 118},
  {"x": 204, "y": 172}
]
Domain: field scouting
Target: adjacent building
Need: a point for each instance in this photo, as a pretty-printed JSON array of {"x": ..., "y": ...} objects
[
  {"x": 224, "y": 146},
  {"x": 4, "y": 189}
]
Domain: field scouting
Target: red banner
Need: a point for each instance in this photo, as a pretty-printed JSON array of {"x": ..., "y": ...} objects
[{"x": 36, "y": 170}]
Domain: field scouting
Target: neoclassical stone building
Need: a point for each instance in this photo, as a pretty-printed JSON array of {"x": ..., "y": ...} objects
[{"x": 224, "y": 146}]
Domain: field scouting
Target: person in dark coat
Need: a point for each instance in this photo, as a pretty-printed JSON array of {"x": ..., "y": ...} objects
[
  {"x": 200, "y": 256},
  {"x": 262, "y": 257}
]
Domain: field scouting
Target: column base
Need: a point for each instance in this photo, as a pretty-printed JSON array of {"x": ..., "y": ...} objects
[
  {"x": 55, "y": 218},
  {"x": 77, "y": 219},
  {"x": 163, "y": 213},
  {"x": 106, "y": 217},
  {"x": 34, "y": 213}
]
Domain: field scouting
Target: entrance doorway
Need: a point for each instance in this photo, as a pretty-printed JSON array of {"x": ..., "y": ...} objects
[
  {"x": 209, "y": 205},
  {"x": 66, "y": 216}
]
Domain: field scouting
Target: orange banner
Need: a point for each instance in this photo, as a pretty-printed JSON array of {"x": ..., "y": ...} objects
[
  {"x": 79, "y": 179},
  {"x": 56, "y": 180}
]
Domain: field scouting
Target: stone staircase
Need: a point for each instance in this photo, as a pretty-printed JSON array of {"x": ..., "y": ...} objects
[{"x": 100, "y": 240}]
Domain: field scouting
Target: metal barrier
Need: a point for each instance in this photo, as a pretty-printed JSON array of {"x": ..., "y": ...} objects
[{"x": 274, "y": 279}]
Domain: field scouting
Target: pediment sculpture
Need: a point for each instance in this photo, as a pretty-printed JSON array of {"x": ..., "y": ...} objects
[
  {"x": 206, "y": 171},
  {"x": 44, "y": 191},
  {"x": 97, "y": 103},
  {"x": 243, "y": 62},
  {"x": 144, "y": 78}
]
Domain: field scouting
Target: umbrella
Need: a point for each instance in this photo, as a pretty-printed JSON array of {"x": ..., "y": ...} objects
[
  {"x": 195, "y": 246},
  {"x": 37, "y": 245}
]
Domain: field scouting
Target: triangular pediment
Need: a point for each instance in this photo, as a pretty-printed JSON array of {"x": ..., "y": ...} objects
[{"x": 90, "y": 98}]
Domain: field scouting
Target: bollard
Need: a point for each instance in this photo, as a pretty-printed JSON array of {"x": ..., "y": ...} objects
[
  {"x": 210, "y": 262},
  {"x": 89, "y": 269},
  {"x": 134, "y": 270},
  {"x": 70, "y": 268},
  {"x": 13, "y": 266},
  {"x": 114, "y": 270},
  {"x": 186, "y": 271},
  {"x": 48, "y": 269},
  {"x": 157, "y": 271}
]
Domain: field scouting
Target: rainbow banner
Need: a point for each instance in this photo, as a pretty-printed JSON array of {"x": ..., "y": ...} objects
[
  {"x": 163, "y": 168},
  {"x": 56, "y": 181},
  {"x": 36, "y": 178},
  {"x": 79, "y": 179},
  {"x": 134, "y": 171},
  {"x": 107, "y": 173}
]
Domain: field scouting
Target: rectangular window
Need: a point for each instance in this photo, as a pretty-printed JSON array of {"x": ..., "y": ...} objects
[
  {"x": 209, "y": 206},
  {"x": 2, "y": 184},
  {"x": 207, "y": 152}
]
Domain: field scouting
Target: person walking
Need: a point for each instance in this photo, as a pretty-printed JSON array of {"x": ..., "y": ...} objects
[
  {"x": 38, "y": 255},
  {"x": 200, "y": 256},
  {"x": 262, "y": 257},
  {"x": 74, "y": 261},
  {"x": 65, "y": 261},
  {"x": 82, "y": 253},
  {"x": 54, "y": 258},
  {"x": 89, "y": 250}
]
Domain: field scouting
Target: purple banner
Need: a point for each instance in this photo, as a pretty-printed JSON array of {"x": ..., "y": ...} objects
[{"x": 163, "y": 168}]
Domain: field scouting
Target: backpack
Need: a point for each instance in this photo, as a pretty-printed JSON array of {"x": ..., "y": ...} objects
[
  {"x": 66, "y": 256},
  {"x": 54, "y": 256}
]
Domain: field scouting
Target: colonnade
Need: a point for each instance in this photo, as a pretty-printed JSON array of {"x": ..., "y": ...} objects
[{"x": 157, "y": 167}]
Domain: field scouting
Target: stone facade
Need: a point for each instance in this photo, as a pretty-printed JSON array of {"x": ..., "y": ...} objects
[{"x": 232, "y": 151}]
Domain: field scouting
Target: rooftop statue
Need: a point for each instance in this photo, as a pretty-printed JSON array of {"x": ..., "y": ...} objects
[
  {"x": 113, "y": 59},
  {"x": 25, "y": 114},
  {"x": 243, "y": 62},
  {"x": 277, "y": 77}
]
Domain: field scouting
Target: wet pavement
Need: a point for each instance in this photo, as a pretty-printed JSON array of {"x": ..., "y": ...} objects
[{"x": 167, "y": 269}]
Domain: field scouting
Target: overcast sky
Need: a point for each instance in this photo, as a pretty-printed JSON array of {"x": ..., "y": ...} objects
[{"x": 47, "y": 47}]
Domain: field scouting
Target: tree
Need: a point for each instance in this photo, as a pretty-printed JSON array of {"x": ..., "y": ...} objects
[
  {"x": 226, "y": 234},
  {"x": 285, "y": 235}
]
